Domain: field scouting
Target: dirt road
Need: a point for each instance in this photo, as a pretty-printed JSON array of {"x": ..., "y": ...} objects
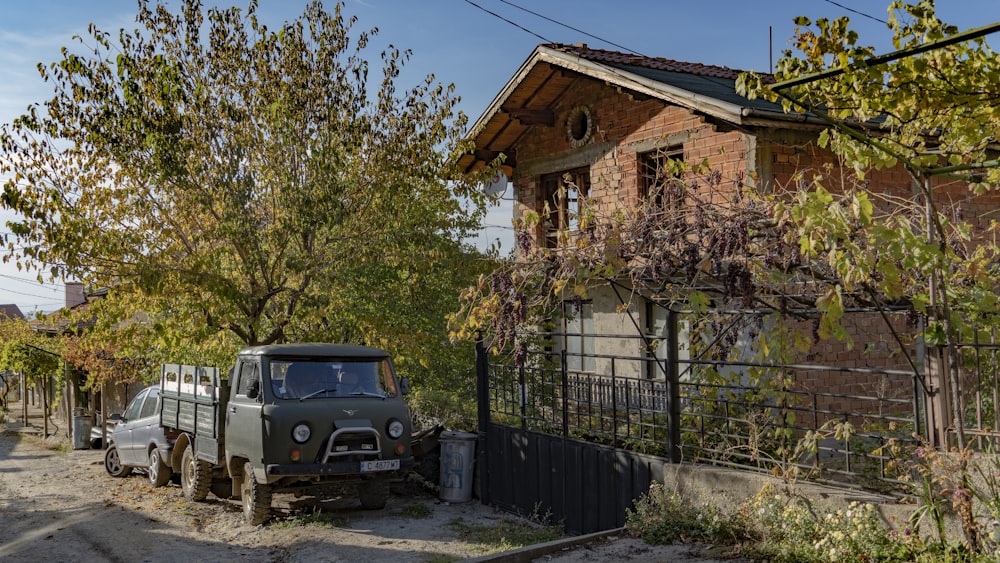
[{"x": 62, "y": 506}]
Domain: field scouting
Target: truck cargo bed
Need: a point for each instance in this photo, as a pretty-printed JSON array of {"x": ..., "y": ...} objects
[{"x": 193, "y": 400}]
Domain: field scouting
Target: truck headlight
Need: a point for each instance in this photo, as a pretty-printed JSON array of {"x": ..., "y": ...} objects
[
  {"x": 394, "y": 429},
  {"x": 301, "y": 433}
]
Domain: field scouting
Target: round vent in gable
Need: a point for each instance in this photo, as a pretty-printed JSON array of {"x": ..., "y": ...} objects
[{"x": 579, "y": 125}]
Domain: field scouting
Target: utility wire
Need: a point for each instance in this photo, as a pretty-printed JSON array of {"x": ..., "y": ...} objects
[
  {"x": 592, "y": 36},
  {"x": 26, "y": 280},
  {"x": 860, "y": 13},
  {"x": 26, "y": 294},
  {"x": 515, "y": 24}
]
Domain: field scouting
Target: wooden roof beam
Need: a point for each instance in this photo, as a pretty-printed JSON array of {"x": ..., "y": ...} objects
[
  {"x": 526, "y": 116},
  {"x": 487, "y": 156}
]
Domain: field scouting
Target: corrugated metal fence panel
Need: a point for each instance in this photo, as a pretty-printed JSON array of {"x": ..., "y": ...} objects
[{"x": 585, "y": 486}]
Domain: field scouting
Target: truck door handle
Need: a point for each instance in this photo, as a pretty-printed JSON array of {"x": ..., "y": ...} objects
[{"x": 232, "y": 409}]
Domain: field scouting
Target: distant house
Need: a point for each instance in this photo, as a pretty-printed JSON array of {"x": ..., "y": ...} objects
[{"x": 11, "y": 311}]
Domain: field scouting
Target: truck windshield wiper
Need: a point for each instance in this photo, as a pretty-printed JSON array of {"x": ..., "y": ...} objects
[
  {"x": 317, "y": 392},
  {"x": 367, "y": 394}
]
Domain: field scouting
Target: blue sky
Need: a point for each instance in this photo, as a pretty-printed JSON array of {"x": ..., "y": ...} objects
[{"x": 460, "y": 42}]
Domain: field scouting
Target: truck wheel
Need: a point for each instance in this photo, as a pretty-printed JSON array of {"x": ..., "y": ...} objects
[
  {"x": 256, "y": 498},
  {"x": 113, "y": 464},
  {"x": 196, "y": 476},
  {"x": 159, "y": 472},
  {"x": 373, "y": 494}
]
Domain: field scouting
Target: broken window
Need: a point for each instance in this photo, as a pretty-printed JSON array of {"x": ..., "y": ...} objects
[
  {"x": 661, "y": 171},
  {"x": 562, "y": 197}
]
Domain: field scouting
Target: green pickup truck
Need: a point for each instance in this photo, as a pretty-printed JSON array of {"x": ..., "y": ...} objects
[{"x": 290, "y": 418}]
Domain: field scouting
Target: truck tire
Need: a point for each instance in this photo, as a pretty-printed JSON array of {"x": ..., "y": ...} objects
[
  {"x": 113, "y": 463},
  {"x": 373, "y": 494},
  {"x": 196, "y": 476},
  {"x": 256, "y": 498},
  {"x": 158, "y": 471}
]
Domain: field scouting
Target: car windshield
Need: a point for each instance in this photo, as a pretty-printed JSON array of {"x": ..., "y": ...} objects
[{"x": 306, "y": 379}]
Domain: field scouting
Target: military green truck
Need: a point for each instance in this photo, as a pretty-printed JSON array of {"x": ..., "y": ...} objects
[{"x": 290, "y": 418}]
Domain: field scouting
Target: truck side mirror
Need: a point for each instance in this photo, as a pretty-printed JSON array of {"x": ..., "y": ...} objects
[
  {"x": 254, "y": 391},
  {"x": 404, "y": 385}
]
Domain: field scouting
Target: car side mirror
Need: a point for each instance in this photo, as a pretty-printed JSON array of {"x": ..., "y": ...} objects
[
  {"x": 254, "y": 391},
  {"x": 404, "y": 385},
  {"x": 115, "y": 417}
]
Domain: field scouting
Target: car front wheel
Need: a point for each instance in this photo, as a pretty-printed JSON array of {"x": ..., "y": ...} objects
[
  {"x": 159, "y": 471},
  {"x": 113, "y": 464}
]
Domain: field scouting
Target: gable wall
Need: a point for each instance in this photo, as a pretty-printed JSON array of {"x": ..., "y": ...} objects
[{"x": 623, "y": 128}]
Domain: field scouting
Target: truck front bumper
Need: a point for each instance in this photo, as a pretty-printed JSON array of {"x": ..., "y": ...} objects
[{"x": 332, "y": 469}]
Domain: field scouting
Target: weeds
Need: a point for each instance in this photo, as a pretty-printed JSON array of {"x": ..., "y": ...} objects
[
  {"x": 317, "y": 518},
  {"x": 663, "y": 517},
  {"x": 417, "y": 510},
  {"x": 959, "y": 485},
  {"x": 504, "y": 535}
]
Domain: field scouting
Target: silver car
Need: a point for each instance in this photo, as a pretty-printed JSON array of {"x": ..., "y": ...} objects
[{"x": 138, "y": 442}]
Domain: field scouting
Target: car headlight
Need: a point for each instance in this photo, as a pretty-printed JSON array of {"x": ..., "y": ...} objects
[
  {"x": 395, "y": 428},
  {"x": 301, "y": 433}
]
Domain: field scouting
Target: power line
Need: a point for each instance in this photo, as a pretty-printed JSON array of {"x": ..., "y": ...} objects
[
  {"x": 25, "y": 294},
  {"x": 557, "y": 22},
  {"x": 860, "y": 13},
  {"x": 515, "y": 24},
  {"x": 28, "y": 280}
]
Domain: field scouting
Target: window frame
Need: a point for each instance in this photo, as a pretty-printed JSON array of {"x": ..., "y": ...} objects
[
  {"x": 562, "y": 192},
  {"x": 579, "y": 341},
  {"x": 652, "y": 174}
]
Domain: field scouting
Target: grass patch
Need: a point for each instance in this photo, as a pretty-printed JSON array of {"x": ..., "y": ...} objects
[
  {"x": 505, "y": 535},
  {"x": 316, "y": 519},
  {"x": 52, "y": 443},
  {"x": 185, "y": 508},
  {"x": 417, "y": 511}
]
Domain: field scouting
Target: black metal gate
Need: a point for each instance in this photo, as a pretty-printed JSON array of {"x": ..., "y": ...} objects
[{"x": 583, "y": 485}]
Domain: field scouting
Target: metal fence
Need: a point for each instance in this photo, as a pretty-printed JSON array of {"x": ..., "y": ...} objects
[
  {"x": 978, "y": 379},
  {"x": 708, "y": 409}
]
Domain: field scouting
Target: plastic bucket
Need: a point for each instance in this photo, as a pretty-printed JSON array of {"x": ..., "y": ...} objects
[{"x": 458, "y": 454}]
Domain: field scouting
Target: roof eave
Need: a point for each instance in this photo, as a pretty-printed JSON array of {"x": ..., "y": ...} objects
[
  {"x": 505, "y": 92},
  {"x": 672, "y": 94}
]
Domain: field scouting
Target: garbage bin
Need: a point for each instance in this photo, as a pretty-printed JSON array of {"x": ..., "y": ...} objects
[
  {"x": 458, "y": 452},
  {"x": 81, "y": 429}
]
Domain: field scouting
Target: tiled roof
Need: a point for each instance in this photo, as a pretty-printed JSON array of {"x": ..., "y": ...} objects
[
  {"x": 715, "y": 82},
  {"x": 655, "y": 63},
  {"x": 11, "y": 312}
]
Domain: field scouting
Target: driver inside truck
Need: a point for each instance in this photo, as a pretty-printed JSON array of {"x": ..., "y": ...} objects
[
  {"x": 351, "y": 382},
  {"x": 302, "y": 379}
]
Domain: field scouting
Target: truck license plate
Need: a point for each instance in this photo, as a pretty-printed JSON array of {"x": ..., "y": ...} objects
[{"x": 379, "y": 465}]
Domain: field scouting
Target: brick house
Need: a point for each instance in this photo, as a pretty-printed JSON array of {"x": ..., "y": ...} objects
[{"x": 594, "y": 123}]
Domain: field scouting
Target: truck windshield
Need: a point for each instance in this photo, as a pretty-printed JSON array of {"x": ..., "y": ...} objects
[{"x": 306, "y": 379}]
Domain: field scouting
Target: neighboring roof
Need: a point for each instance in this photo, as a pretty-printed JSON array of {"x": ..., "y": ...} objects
[
  {"x": 11, "y": 311},
  {"x": 528, "y": 96},
  {"x": 76, "y": 317}
]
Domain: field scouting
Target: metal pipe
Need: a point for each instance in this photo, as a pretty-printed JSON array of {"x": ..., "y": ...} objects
[{"x": 880, "y": 59}]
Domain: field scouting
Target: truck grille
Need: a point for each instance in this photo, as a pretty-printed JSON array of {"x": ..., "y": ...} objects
[{"x": 346, "y": 443}]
